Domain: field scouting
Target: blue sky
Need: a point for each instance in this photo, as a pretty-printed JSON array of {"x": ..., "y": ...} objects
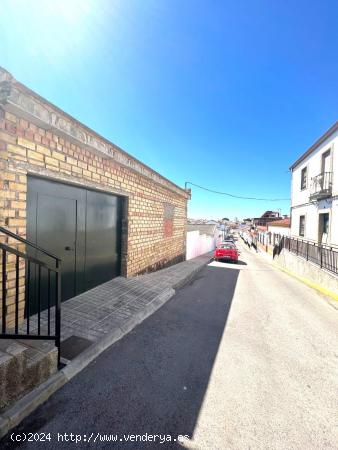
[{"x": 224, "y": 94}]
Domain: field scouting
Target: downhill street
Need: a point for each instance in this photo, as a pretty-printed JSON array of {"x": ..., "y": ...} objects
[{"x": 244, "y": 357}]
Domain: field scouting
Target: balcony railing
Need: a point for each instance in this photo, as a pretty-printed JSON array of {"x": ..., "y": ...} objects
[
  {"x": 324, "y": 256},
  {"x": 321, "y": 186}
]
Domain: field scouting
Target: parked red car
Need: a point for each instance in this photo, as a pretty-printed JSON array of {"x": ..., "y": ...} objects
[{"x": 226, "y": 252}]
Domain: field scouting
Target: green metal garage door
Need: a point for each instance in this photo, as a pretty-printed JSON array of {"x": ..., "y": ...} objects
[{"x": 82, "y": 227}]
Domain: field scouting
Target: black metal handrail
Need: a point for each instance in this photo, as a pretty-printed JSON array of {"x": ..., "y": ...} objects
[
  {"x": 334, "y": 247},
  {"x": 29, "y": 243},
  {"x": 324, "y": 256},
  {"x": 26, "y": 330}
]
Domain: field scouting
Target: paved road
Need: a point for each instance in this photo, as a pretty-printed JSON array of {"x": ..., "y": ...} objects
[{"x": 244, "y": 357}]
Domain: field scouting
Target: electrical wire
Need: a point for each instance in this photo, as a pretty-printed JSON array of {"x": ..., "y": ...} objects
[{"x": 237, "y": 196}]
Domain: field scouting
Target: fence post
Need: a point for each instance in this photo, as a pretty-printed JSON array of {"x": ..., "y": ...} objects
[
  {"x": 297, "y": 248},
  {"x": 58, "y": 309},
  {"x": 4, "y": 290},
  {"x": 307, "y": 251},
  {"x": 321, "y": 256}
]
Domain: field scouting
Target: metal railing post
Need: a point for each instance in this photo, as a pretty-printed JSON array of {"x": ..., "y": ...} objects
[
  {"x": 15, "y": 331},
  {"x": 58, "y": 310},
  {"x": 4, "y": 291}
]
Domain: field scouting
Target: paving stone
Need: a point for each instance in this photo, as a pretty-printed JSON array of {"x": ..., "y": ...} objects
[{"x": 109, "y": 306}]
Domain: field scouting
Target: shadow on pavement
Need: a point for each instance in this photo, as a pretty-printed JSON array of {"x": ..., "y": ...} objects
[
  {"x": 152, "y": 381},
  {"x": 227, "y": 264},
  {"x": 241, "y": 263}
]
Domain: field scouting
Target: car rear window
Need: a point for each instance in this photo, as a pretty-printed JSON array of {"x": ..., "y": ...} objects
[{"x": 228, "y": 246}]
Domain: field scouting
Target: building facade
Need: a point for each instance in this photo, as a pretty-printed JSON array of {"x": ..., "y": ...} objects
[
  {"x": 278, "y": 229},
  {"x": 270, "y": 235},
  {"x": 74, "y": 193},
  {"x": 314, "y": 191},
  {"x": 267, "y": 217}
]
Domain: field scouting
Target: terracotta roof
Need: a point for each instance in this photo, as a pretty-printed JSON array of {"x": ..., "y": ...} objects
[
  {"x": 313, "y": 147},
  {"x": 280, "y": 223}
]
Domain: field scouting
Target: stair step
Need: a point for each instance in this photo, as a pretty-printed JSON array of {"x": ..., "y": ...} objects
[
  {"x": 24, "y": 365},
  {"x": 4, "y": 358},
  {"x": 12, "y": 347},
  {"x": 12, "y": 362}
]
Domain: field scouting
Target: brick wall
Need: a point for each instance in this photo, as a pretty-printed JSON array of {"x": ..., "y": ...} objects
[{"x": 149, "y": 240}]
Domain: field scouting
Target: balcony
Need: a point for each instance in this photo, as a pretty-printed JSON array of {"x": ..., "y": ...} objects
[{"x": 321, "y": 186}]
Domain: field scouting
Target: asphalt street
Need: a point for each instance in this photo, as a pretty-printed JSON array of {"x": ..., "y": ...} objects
[{"x": 244, "y": 357}]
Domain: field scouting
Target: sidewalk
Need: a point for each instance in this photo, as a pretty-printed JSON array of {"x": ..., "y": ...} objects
[
  {"x": 122, "y": 303},
  {"x": 97, "y": 318},
  {"x": 329, "y": 296}
]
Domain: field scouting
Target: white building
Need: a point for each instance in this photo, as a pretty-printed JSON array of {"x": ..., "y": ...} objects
[
  {"x": 278, "y": 229},
  {"x": 314, "y": 191}
]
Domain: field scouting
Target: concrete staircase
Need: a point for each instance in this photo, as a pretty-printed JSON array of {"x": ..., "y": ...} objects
[{"x": 24, "y": 364}]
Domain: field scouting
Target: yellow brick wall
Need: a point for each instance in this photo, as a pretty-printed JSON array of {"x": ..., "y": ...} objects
[
  {"x": 26, "y": 148},
  {"x": 12, "y": 215}
]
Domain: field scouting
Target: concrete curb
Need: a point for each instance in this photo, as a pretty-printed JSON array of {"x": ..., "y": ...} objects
[
  {"x": 12, "y": 416},
  {"x": 330, "y": 297},
  {"x": 27, "y": 404},
  {"x": 79, "y": 363}
]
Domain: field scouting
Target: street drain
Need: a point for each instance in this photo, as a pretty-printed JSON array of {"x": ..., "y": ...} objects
[{"x": 73, "y": 346}]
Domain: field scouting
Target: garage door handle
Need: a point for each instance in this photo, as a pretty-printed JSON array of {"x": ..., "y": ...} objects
[{"x": 68, "y": 248}]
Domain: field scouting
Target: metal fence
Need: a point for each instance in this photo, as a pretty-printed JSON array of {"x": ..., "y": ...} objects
[
  {"x": 45, "y": 324},
  {"x": 324, "y": 256}
]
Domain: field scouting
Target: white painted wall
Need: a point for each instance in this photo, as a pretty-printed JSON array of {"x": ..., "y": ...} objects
[
  {"x": 282, "y": 231},
  {"x": 300, "y": 201},
  {"x": 198, "y": 244},
  {"x": 313, "y": 164},
  {"x": 271, "y": 236},
  {"x": 311, "y": 213}
]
